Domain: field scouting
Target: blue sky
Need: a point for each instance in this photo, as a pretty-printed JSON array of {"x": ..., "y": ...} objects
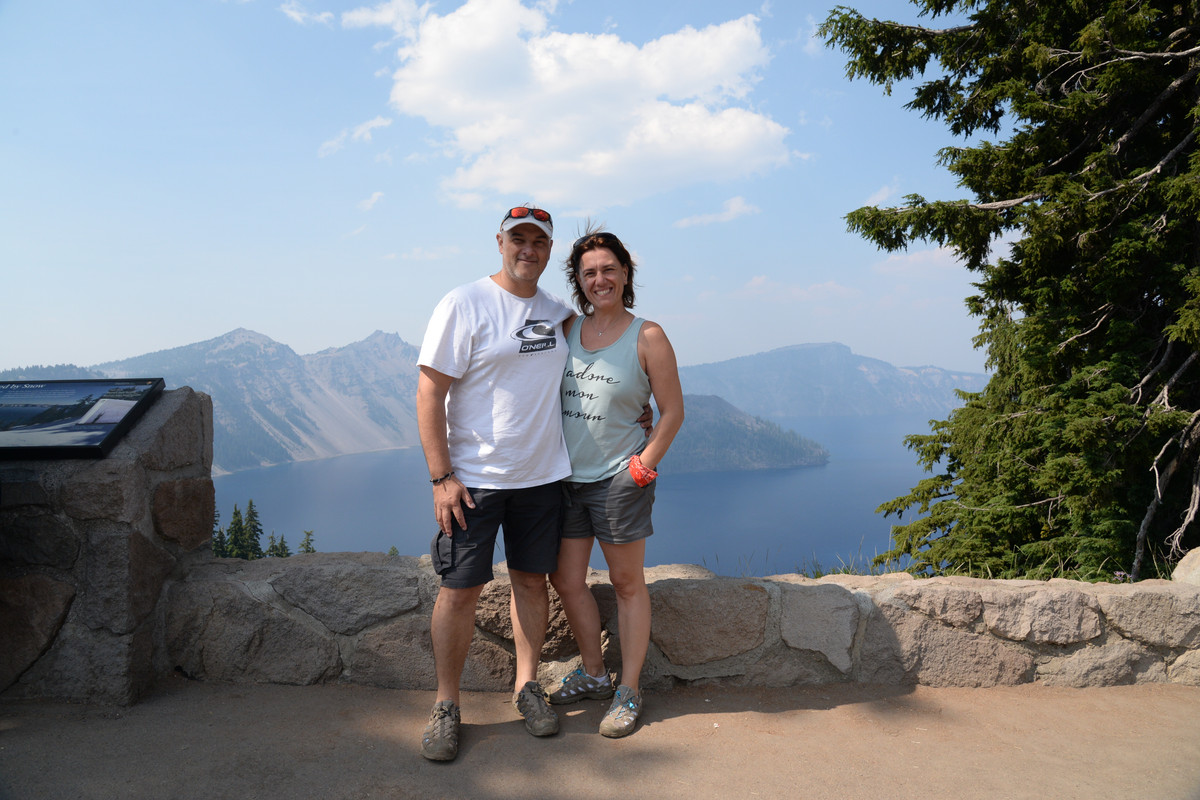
[{"x": 317, "y": 170}]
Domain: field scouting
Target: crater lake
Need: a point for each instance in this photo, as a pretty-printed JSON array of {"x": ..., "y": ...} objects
[{"x": 743, "y": 524}]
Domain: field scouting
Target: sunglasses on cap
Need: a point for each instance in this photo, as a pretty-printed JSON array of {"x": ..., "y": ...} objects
[{"x": 520, "y": 212}]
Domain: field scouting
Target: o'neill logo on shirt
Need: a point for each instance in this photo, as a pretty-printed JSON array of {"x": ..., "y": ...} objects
[{"x": 535, "y": 336}]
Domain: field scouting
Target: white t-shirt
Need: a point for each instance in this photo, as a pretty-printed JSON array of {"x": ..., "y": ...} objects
[{"x": 503, "y": 411}]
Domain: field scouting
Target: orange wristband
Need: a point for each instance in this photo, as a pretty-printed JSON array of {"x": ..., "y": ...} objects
[{"x": 642, "y": 475}]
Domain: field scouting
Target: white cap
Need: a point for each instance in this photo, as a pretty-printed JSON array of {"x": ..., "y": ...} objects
[{"x": 530, "y": 218}]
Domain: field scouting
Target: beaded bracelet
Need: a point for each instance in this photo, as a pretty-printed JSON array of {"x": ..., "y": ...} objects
[{"x": 446, "y": 477}]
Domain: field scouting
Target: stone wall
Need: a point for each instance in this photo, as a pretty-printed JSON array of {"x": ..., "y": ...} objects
[
  {"x": 106, "y": 581},
  {"x": 86, "y": 546},
  {"x": 364, "y": 618}
]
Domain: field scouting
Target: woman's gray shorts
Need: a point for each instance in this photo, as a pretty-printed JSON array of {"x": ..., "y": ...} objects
[{"x": 615, "y": 510}]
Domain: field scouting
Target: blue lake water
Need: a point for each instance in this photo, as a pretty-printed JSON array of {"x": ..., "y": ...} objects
[{"x": 734, "y": 523}]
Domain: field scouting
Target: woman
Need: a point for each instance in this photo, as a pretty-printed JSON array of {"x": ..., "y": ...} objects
[{"x": 617, "y": 361}]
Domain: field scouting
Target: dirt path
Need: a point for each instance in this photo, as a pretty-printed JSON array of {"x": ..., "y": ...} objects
[{"x": 194, "y": 740}]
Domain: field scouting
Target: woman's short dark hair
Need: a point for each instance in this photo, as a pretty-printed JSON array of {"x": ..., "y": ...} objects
[{"x": 594, "y": 239}]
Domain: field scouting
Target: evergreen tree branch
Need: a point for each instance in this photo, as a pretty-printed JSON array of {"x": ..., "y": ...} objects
[
  {"x": 1004, "y": 205},
  {"x": 1152, "y": 56},
  {"x": 1175, "y": 540},
  {"x": 1135, "y": 398},
  {"x": 1163, "y": 398},
  {"x": 965, "y": 507},
  {"x": 1077, "y": 78},
  {"x": 1135, "y": 394},
  {"x": 928, "y": 33},
  {"x": 1188, "y": 438},
  {"x": 1092, "y": 330},
  {"x": 1148, "y": 174},
  {"x": 1126, "y": 55},
  {"x": 1152, "y": 111},
  {"x": 1169, "y": 157}
]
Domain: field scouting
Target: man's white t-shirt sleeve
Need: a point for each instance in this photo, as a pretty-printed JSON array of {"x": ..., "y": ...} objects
[{"x": 447, "y": 343}]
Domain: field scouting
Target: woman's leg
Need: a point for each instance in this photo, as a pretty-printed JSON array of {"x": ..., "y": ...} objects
[
  {"x": 570, "y": 581},
  {"x": 625, "y": 569}
]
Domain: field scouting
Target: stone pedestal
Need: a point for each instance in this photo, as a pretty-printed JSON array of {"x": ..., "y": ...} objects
[{"x": 86, "y": 546}]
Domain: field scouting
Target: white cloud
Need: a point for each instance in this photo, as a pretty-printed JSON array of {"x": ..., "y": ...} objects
[
  {"x": 588, "y": 120},
  {"x": 362, "y": 133},
  {"x": 369, "y": 203},
  {"x": 402, "y": 16},
  {"x": 931, "y": 263},
  {"x": 806, "y": 36},
  {"x": 884, "y": 193},
  {"x": 333, "y": 145},
  {"x": 297, "y": 13},
  {"x": 813, "y": 45},
  {"x": 734, "y": 207}
]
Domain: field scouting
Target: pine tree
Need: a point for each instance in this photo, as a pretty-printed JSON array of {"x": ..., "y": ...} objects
[
  {"x": 282, "y": 550},
  {"x": 392, "y": 551},
  {"x": 254, "y": 532},
  {"x": 219, "y": 546},
  {"x": 1080, "y": 457},
  {"x": 272, "y": 546},
  {"x": 236, "y": 544},
  {"x": 306, "y": 544}
]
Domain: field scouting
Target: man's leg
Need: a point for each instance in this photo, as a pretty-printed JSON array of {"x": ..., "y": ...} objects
[
  {"x": 464, "y": 560},
  {"x": 531, "y": 528},
  {"x": 452, "y": 628},
  {"x": 530, "y": 609},
  {"x": 532, "y": 523}
]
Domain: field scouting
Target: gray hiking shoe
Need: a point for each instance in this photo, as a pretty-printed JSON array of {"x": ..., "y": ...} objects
[
  {"x": 622, "y": 717},
  {"x": 439, "y": 741},
  {"x": 579, "y": 686},
  {"x": 540, "y": 719}
]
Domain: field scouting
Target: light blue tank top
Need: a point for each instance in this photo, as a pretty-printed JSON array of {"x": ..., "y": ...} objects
[{"x": 603, "y": 393}]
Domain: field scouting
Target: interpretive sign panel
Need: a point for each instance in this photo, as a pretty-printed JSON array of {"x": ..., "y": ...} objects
[{"x": 70, "y": 419}]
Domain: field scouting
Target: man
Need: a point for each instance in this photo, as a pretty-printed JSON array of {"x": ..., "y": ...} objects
[{"x": 490, "y": 422}]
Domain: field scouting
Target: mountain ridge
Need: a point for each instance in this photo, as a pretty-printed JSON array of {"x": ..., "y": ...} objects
[
  {"x": 778, "y": 384},
  {"x": 272, "y": 405}
]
